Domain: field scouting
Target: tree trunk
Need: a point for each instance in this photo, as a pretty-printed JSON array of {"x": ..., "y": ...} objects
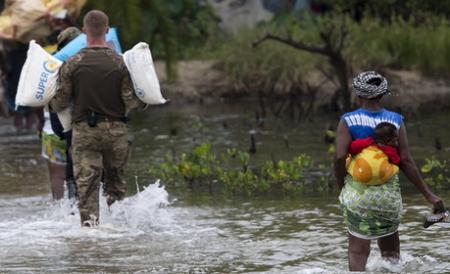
[{"x": 340, "y": 67}]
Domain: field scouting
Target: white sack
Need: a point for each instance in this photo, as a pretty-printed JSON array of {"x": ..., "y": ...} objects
[
  {"x": 65, "y": 117},
  {"x": 37, "y": 84},
  {"x": 140, "y": 65}
]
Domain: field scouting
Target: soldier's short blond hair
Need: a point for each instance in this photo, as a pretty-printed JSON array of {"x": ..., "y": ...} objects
[{"x": 96, "y": 23}]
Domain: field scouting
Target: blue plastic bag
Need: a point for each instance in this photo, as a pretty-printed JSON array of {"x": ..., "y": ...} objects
[{"x": 80, "y": 42}]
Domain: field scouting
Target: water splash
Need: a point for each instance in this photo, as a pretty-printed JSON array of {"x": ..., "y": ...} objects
[
  {"x": 47, "y": 219},
  {"x": 408, "y": 263},
  {"x": 142, "y": 210},
  {"x": 146, "y": 232}
]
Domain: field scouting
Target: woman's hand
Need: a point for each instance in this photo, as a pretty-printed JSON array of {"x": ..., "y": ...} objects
[{"x": 435, "y": 200}]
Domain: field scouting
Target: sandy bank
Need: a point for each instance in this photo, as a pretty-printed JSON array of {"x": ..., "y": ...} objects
[{"x": 201, "y": 80}]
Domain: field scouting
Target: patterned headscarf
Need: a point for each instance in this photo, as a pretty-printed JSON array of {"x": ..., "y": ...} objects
[{"x": 366, "y": 90}]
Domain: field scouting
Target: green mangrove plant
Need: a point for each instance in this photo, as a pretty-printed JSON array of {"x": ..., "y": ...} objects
[
  {"x": 232, "y": 172},
  {"x": 437, "y": 173}
]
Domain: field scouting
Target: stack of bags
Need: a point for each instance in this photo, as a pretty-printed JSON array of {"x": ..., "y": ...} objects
[
  {"x": 29, "y": 20},
  {"x": 26, "y": 20}
]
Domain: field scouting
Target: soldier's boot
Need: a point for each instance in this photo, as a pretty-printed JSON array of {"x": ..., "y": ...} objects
[
  {"x": 112, "y": 198},
  {"x": 88, "y": 220}
]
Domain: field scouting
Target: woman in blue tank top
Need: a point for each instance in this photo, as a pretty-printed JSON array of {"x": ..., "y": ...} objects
[{"x": 373, "y": 212}]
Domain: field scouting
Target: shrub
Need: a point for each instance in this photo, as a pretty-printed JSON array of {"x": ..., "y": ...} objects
[
  {"x": 234, "y": 174},
  {"x": 436, "y": 173},
  {"x": 414, "y": 44}
]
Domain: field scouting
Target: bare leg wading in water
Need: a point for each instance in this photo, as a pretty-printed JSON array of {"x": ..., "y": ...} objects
[{"x": 372, "y": 207}]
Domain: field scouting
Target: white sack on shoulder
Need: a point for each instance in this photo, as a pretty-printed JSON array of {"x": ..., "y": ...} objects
[
  {"x": 65, "y": 117},
  {"x": 140, "y": 65},
  {"x": 37, "y": 84}
]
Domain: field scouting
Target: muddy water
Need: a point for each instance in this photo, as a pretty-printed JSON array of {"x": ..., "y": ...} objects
[{"x": 162, "y": 230}]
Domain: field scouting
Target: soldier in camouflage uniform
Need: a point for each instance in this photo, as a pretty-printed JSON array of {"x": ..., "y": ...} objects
[{"x": 97, "y": 85}]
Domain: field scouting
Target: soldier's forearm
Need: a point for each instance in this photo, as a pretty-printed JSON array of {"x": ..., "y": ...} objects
[
  {"x": 135, "y": 105},
  {"x": 130, "y": 99}
]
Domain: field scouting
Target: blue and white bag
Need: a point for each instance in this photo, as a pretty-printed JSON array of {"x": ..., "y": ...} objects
[{"x": 80, "y": 43}]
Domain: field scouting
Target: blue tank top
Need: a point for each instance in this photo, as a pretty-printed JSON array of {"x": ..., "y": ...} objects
[{"x": 362, "y": 122}]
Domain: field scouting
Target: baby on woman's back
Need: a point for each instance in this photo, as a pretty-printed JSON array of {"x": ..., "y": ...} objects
[{"x": 374, "y": 160}]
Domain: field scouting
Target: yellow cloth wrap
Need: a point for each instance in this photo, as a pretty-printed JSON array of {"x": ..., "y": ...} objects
[{"x": 371, "y": 167}]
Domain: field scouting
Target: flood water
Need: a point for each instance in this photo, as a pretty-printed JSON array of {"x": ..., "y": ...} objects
[{"x": 172, "y": 230}]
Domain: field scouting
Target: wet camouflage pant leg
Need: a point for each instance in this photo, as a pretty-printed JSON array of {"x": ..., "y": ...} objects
[
  {"x": 87, "y": 165},
  {"x": 102, "y": 149},
  {"x": 115, "y": 158}
]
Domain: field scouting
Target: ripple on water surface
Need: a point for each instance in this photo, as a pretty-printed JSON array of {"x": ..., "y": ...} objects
[{"x": 148, "y": 233}]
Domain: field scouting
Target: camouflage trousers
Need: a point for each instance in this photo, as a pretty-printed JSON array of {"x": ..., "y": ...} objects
[{"x": 100, "y": 151}]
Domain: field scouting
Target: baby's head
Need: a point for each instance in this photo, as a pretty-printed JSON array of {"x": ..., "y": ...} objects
[{"x": 386, "y": 134}]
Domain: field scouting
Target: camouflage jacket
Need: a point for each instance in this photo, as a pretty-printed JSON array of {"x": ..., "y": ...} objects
[{"x": 95, "y": 79}]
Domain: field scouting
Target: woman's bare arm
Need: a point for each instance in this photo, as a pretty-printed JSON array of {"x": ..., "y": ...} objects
[
  {"x": 343, "y": 140},
  {"x": 409, "y": 168}
]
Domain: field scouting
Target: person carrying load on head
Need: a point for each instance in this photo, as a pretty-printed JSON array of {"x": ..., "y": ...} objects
[
  {"x": 98, "y": 87},
  {"x": 372, "y": 209},
  {"x": 56, "y": 143},
  {"x": 21, "y": 22}
]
